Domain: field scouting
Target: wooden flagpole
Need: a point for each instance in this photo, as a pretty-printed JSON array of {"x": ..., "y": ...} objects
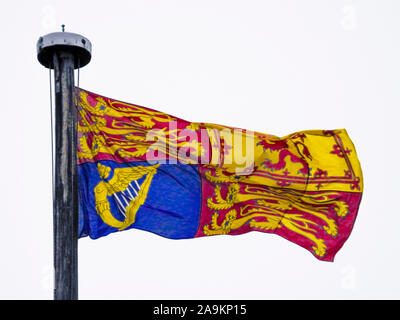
[{"x": 64, "y": 52}]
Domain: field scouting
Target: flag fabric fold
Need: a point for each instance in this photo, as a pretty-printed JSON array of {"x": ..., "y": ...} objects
[{"x": 144, "y": 169}]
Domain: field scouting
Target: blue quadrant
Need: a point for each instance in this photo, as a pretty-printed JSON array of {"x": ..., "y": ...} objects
[{"x": 171, "y": 209}]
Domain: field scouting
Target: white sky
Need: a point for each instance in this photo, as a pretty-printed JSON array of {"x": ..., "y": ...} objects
[{"x": 271, "y": 66}]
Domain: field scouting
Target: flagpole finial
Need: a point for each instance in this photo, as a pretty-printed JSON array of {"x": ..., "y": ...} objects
[{"x": 76, "y": 44}]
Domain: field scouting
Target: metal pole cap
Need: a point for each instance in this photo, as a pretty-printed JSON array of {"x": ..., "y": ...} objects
[{"x": 79, "y": 46}]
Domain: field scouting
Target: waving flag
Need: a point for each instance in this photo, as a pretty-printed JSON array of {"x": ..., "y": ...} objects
[{"x": 144, "y": 169}]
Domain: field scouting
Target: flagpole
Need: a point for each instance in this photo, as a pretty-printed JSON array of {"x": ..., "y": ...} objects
[{"x": 64, "y": 52}]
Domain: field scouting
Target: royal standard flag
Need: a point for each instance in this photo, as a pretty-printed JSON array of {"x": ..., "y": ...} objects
[{"x": 144, "y": 169}]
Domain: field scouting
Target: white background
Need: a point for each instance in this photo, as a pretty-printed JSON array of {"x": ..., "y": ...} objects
[{"x": 271, "y": 66}]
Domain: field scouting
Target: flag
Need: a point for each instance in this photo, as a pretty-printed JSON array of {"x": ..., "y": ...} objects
[{"x": 143, "y": 169}]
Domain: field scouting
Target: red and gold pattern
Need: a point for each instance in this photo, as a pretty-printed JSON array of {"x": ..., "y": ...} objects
[
  {"x": 305, "y": 187},
  {"x": 308, "y": 190},
  {"x": 320, "y": 221}
]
